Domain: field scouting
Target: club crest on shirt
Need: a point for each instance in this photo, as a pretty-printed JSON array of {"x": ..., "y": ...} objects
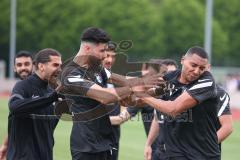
[{"x": 98, "y": 78}]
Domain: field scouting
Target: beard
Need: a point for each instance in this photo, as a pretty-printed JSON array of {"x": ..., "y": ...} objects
[
  {"x": 94, "y": 61},
  {"x": 54, "y": 79},
  {"x": 23, "y": 76}
]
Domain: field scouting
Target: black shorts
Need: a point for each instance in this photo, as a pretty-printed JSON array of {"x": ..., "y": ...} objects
[
  {"x": 114, "y": 154},
  {"x": 183, "y": 158},
  {"x": 105, "y": 155},
  {"x": 169, "y": 158},
  {"x": 159, "y": 153}
]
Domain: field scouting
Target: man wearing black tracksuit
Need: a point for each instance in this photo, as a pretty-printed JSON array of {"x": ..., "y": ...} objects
[{"x": 31, "y": 120}]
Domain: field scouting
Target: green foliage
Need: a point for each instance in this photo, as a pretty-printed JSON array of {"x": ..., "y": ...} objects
[
  {"x": 227, "y": 13},
  {"x": 183, "y": 25},
  {"x": 131, "y": 143},
  {"x": 158, "y": 28},
  {"x": 59, "y": 25},
  {"x": 4, "y": 28}
]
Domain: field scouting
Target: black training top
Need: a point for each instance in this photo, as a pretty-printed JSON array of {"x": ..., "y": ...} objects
[
  {"x": 223, "y": 108},
  {"x": 92, "y": 130},
  {"x": 192, "y": 133},
  {"x": 31, "y": 121}
]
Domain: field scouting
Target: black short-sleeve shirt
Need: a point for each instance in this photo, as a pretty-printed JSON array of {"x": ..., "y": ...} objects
[
  {"x": 192, "y": 134},
  {"x": 94, "y": 134}
]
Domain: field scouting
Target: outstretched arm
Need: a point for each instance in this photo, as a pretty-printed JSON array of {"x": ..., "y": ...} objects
[
  {"x": 194, "y": 93},
  {"x": 134, "y": 81},
  {"x": 20, "y": 104},
  {"x": 78, "y": 85},
  {"x": 173, "y": 108}
]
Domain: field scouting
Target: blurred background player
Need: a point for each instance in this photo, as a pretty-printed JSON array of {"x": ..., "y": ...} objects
[{"x": 107, "y": 63}]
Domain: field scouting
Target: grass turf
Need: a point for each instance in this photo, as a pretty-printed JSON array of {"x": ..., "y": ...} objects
[{"x": 131, "y": 143}]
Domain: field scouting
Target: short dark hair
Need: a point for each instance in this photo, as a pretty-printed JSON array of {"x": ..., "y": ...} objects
[
  {"x": 95, "y": 35},
  {"x": 22, "y": 54},
  {"x": 168, "y": 62},
  {"x": 43, "y": 56},
  {"x": 155, "y": 64},
  {"x": 198, "y": 51},
  {"x": 111, "y": 46}
]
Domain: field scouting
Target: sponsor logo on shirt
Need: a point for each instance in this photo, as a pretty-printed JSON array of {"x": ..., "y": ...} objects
[
  {"x": 34, "y": 96},
  {"x": 98, "y": 78},
  {"x": 223, "y": 97}
]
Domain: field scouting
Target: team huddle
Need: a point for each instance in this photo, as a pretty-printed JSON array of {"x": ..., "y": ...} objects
[{"x": 186, "y": 115}]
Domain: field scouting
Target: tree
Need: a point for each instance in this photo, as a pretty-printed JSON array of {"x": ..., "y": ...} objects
[
  {"x": 58, "y": 24},
  {"x": 159, "y": 29},
  {"x": 184, "y": 27},
  {"x": 4, "y": 28},
  {"x": 227, "y": 14}
]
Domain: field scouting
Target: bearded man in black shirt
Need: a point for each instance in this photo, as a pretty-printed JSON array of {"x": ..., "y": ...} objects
[
  {"x": 31, "y": 120},
  {"x": 84, "y": 82}
]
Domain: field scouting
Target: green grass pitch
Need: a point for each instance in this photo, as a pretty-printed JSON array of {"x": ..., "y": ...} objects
[{"x": 131, "y": 143}]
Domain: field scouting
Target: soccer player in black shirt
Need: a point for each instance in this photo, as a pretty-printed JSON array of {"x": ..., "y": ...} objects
[
  {"x": 31, "y": 120},
  {"x": 224, "y": 126},
  {"x": 84, "y": 82},
  {"x": 190, "y": 109},
  {"x": 23, "y": 66}
]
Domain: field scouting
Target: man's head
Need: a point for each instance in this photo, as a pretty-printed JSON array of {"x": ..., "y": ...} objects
[
  {"x": 93, "y": 44},
  {"x": 23, "y": 64},
  {"x": 170, "y": 64},
  {"x": 110, "y": 53},
  {"x": 194, "y": 64},
  {"x": 47, "y": 63},
  {"x": 154, "y": 66}
]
